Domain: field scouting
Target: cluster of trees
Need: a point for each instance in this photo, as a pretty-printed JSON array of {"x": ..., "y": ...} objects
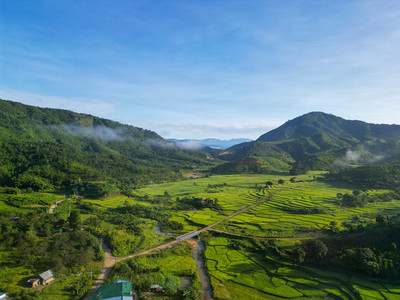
[
  {"x": 375, "y": 251},
  {"x": 167, "y": 225},
  {"x": 372, "y": 251},
  {"x": 48, "y": 240},
  {"x": 200, "y": 203},
  {"x": 371, "y": 176},
  {"x": 240, "y": 168},
  {"x": 299, "y": 168},
  {"x": 306, "y": 210},
  {"x": 313, "y": 251},
  {"x": 359, "y": 198},
  {"x": 97, "y": 190},
  {"x": 364, "y": 260}
]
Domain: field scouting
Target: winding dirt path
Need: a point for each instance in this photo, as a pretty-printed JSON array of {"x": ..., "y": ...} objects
[
  {"x": 108, "y": 264},
  {"x": 53, "y": 207}
]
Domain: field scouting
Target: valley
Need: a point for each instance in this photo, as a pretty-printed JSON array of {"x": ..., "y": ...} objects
[
  {"x": 261, "y": 226},
  {"x": 284, "y": 217},
  {"x": 199, "y": 150}
]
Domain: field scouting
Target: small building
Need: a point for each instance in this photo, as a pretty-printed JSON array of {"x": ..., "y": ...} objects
[
  {"x": 3, "y": 296},
  {"x": 33, "y": 282},
  {"x": 119, "y": 290},
  {"x": 46, "y": 277},
  {"x": 156, "y": 288}
]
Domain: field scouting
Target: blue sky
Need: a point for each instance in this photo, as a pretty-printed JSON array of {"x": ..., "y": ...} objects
[{"x": 197, "y": 69}]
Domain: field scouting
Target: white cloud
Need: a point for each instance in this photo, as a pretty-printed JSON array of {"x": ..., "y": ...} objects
[
  {"x": 211, "y": 130},
  {"x": 78, "y": 104}
]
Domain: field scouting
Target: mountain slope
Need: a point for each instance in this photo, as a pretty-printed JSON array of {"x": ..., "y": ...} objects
[
  {"x": 317, "y": 132},
  {"x": 322, "y": 124},
  {"x": 42, "y": 148},
  {"x": 319, "y": 139}
]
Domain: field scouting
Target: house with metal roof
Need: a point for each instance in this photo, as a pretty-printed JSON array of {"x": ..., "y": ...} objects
[
  {"x": 119, "y": 290},
  {"x": 46, "y": 277},
  {"x": 3, "y": 296}
]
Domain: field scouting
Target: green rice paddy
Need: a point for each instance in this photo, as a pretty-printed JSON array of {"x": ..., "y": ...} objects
[
  {"x": 236, "y": 274},
  {"x": 282, "y": 215}
]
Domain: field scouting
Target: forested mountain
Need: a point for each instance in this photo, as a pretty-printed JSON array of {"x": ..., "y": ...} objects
[
  {"x": 317, "y": 132},
  {"x": 317, "y": 140},
  {"x": 44, "y": 148},
  {"x": 319, "y": 123}
]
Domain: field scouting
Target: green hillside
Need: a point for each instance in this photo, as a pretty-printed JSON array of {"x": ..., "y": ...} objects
[{"x": 52, "y": 148}]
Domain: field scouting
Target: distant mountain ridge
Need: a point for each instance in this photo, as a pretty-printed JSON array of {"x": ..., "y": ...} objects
[{"x": 214, "y": 143}]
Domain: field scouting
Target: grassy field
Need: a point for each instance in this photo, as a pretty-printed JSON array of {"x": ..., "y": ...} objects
[{"x": 257, "y": 275}]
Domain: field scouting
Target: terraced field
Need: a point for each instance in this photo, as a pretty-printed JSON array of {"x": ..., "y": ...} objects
[
  {"x": 234, "y": 192},
  {"x": 285, "y": 214},
  {"x": 235, "y": 273},
  {"x": 26, "y": 202}
]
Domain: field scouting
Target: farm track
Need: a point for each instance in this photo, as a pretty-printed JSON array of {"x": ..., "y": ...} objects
[{"x": 53, "y": 207}]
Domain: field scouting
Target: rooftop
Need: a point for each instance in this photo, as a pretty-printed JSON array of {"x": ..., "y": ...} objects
[
  {"x": 46, "y": 275},
  {"x": 115, "y": 291}
]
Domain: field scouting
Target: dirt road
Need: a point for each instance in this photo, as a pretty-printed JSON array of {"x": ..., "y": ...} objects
[
  {"x": 108, "y": 264},
  {"x": 53, "y": 207}
]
